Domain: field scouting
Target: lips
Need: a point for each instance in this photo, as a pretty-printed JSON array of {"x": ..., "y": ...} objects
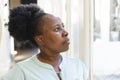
[{"x": 67, "y": 41}]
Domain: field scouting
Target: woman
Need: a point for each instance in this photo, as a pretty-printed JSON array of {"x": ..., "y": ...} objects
[{"x": 45, "y": 31}]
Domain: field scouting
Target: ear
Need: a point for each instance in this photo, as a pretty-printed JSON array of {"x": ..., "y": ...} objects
[{"x": 39, "y": 39}]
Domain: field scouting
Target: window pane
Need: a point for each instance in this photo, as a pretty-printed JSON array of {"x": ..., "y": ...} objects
[{"x": 106, "y": 45}]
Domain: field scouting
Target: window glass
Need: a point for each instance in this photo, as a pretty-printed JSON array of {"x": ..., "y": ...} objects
[{"x": 106, "y": 53}]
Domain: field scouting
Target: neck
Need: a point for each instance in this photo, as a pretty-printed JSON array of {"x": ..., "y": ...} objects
[
  {"x": 54, "y": 60},
  {"x": 49, "y": 57}
]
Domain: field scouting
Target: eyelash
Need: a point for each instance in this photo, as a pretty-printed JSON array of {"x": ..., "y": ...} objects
[{"x": 57, "y": 29}]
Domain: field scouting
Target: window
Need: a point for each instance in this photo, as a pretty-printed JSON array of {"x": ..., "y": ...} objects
[{"x": 106, "y": 53}]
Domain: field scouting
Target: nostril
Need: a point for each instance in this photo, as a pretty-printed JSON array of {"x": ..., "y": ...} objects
[{"x": 66, "y": 33}]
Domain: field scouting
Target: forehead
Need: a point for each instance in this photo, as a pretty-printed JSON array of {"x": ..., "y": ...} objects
[{"x": 51, "y": 19}]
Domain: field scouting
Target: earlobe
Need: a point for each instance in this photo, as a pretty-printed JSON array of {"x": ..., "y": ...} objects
[
  {"x": 39, "y": 39},
  {"x": 36, "y": 38}
]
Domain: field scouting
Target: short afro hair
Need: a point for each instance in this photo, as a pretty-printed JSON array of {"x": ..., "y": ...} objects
[{"x": 23, "y": 22}]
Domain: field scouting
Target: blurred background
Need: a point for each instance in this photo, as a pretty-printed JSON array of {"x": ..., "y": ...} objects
[{"x": 94, "y": 32}]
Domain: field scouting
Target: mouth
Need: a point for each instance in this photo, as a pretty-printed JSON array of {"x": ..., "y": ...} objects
[{"x": 67, "y": 41}]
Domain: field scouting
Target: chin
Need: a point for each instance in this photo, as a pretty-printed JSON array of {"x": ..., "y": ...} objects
[{"x": 65, "y": 49}]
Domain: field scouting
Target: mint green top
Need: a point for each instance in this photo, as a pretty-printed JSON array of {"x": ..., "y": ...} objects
[{"x": 33, "y": 69}]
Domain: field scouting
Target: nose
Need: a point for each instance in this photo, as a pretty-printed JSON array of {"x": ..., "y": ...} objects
[{"x": 65, "y": 33}]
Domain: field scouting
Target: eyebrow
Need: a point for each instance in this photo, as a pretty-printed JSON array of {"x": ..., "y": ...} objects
[{"x": 59, "y": 25}]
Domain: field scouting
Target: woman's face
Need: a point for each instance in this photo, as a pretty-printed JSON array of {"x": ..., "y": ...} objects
[{"x": 54, "y": 36}]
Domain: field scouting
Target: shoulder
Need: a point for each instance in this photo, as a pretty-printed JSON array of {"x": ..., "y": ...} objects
[
  {"x": 18, "y": 70},
  {"x": 73, "y": 60},
  {"x": 78, "y": 65},
  {"x": 25, "y": 64}
]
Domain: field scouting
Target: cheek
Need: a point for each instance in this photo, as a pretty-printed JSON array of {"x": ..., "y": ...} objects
[
  {"x": 57, "y": 44},
  {"x": 49, "y": 39},
  {"x": 54, "y": 39}
]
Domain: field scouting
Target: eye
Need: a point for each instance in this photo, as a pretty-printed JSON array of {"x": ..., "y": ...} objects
[{"x": 57, "y": 28}]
